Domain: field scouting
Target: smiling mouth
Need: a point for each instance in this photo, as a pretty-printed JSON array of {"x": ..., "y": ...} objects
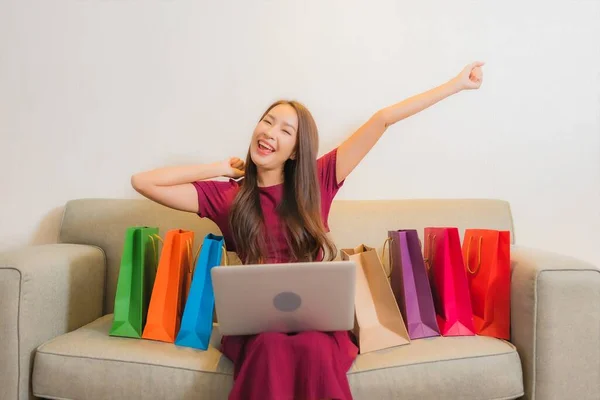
[{"x": 265, "y": 147}]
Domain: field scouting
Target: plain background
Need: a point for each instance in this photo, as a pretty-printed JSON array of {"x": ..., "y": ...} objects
[{"x": 92, "y": 91}]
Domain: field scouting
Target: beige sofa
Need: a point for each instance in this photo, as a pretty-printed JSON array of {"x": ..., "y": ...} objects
[{"x": 56, "y": 300}]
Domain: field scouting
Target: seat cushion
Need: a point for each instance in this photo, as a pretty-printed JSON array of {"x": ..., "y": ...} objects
[
  {"x": 467, "y": 367},
  {"x": 90, "y": 364}
]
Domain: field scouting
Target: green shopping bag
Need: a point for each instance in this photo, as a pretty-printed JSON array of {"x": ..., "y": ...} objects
[{"x": 136, "y": 279}]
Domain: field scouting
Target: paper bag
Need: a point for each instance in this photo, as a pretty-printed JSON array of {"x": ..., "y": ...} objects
[
  {"x": 136, "y": 278},
  {"x": 410, "y": 284},
  {"x": 486, "y": 255},
  {"x": 171, "y": 287},
  {"x": 448, "y": 280},
  {"x": 197, "y": 321},
  {"x": 378, "y": 321}
]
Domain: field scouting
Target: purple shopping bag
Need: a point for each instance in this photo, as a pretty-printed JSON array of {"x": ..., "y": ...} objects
[{"x": 410, "y": 284}]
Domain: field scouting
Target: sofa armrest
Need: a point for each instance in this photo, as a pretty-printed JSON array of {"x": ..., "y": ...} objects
[
  {"x": 45, "y": 291},
  {"x": 555, "y": 318}
]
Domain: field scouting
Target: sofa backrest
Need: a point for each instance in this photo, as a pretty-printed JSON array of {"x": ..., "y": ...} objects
[{"x": 103, "y": 222}]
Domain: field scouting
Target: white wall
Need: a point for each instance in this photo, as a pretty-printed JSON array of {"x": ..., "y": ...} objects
[{"x": 94, "y": 90}]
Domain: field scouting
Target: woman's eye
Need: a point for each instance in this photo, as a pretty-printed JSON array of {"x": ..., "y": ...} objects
[
  {"x": 287, "y": 132},
  {"x": 267, "y": 122}
]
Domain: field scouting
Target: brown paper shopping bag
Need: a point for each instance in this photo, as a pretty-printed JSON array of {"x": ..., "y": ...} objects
[{"x": 378, "y": 321}]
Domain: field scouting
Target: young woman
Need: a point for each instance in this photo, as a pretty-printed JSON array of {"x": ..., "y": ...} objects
[{"x": 278, "y": 213}]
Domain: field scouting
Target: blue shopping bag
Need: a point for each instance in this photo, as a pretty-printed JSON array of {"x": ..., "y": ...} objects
[{"x": 197, "y": 321}]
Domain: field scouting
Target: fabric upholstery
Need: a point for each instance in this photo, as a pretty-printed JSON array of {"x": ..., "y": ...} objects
[
  {"x": 135, "y": 368},
  {"x": 440, "y": 367},
  {"x": 10, "y": 280},
  {"x": 103, "y": 222},
  {"x": 50, "y": 290},
  {"x": 555, "y": 317},
  {"x": 140, "y": 369},
  {"x": 353, "y": 222},
  {"x": 554, "y": 314}
]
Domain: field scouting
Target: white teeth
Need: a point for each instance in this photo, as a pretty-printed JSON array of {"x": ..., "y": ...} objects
[{"x": 265, "y": 146}]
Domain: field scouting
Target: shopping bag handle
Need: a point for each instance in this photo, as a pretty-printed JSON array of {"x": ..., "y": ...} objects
[
  {"x": 391, "y": 265},
  {"x": 154, "y": 247},
  {"x": 226, "y": 258},
  {"x": 429, "y": 258},
  {"x": 193, "y": 261},
  {"x": 389, "y": 274},
  {"x": 478, "y": 255}
]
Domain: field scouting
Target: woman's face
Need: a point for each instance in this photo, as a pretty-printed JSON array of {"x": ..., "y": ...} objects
[{"x": 275, "y": 137}]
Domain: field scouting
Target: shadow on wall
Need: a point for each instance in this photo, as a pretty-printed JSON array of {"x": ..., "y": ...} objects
[{"x": 48, "y": 229}]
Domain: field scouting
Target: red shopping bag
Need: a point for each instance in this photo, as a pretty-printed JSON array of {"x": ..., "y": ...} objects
[
  {"x": 448, "y": 280},
  {"x": 486, "y": 254}
]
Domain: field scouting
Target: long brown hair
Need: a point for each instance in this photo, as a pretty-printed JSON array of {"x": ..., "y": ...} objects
[{"x": 300, "y": 208}]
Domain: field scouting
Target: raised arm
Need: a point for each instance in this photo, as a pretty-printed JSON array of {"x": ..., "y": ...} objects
[
  {"x": 172, "y": 186},
  {"x": 351, "y": 152}
]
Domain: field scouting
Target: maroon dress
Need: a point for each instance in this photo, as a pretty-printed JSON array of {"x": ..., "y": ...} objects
[{"x": 277, "y": 366}]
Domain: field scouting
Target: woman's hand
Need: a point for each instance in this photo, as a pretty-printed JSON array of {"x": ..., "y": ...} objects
[
  {"x": 234, "y": 167},
  {"x": 470, "y": 77}
]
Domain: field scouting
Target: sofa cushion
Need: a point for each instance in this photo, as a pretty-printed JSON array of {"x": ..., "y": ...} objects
[
  {"x": 467, "y": 367},
  {"x": 90, "y": 364}
]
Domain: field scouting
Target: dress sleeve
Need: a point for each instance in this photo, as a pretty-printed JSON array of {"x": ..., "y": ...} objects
[
  {"x": 214, "y": 197},
  {"x": 326, "y": 167},
  {"x": 326, "y": 170}
]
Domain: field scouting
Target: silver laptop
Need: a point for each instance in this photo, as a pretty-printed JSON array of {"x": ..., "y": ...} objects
[{"x": 292, "y": 297}]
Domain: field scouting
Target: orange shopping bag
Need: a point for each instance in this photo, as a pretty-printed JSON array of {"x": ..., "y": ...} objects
[
  {"x": 487, "y": 260},
  {"x": 171, "y": 287}
]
